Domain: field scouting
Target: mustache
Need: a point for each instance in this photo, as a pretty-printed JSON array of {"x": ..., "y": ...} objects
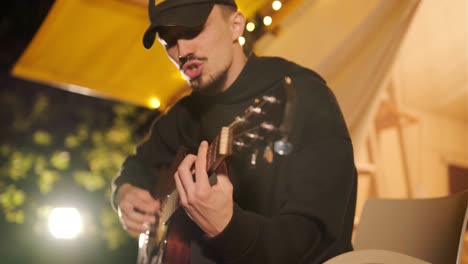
[{"x": 184, "y": 60}]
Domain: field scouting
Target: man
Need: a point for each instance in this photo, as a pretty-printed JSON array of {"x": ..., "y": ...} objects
[{"x": 300, "y": 208}]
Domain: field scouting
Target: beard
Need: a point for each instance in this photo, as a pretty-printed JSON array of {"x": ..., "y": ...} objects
[{"x": 213, "y": 85}]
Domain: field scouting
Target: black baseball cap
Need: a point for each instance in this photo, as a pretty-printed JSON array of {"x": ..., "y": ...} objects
[{"x": 186, "y": 13}]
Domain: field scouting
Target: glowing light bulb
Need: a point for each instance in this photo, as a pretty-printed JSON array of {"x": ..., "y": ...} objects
[
  {"x": 154, "y": 103},
  {"x": 250, "y": 26},
  {"x": 277, "y": 5},
  {"x": 65, "y": 223},
  {"x": 267, "y": 20},
  {"x": 242, "y": 40}
]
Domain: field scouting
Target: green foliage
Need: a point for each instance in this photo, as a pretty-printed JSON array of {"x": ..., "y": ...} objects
[
  {"x": 111, "y": 228},
  {"x": 11, "y": 200},
  {"x": 62, "y": 141},
  {"x": 42, "y": 138},
  {"x": 46, "y": 180},
  {"x": 89, "y": 181},
  {"x": 19, "y": 164}
]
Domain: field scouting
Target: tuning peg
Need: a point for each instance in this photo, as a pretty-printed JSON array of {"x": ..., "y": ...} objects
[
  {"x": 270, "y": 99},
  {"x": 253, "y": 158},
  {"x": 239, "y": 143},
  {"x": 254, "y": 136},
  {"x": 283, "y": 147},
  {"x": 267, "y": 126},
  {"x": 256, "y": 110},
  {"x": 240, "y": 119},
  {"x": 268, "y": 154}
]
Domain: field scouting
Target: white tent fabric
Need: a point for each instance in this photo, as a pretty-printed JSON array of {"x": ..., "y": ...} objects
[{"x": 352, "y": 44}]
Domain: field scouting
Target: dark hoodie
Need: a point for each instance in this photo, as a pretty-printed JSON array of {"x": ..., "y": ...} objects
[{"x": 300, "y": 209}]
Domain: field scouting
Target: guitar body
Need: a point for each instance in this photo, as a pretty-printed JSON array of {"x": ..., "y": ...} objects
[
  {"x": 168, "y": 240},
  {"x": 179, "y": 235}
]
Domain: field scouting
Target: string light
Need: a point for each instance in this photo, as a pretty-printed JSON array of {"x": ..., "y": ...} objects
[
  {"x": 250, "y": 26},
  {"x": 276, "y": 5},
  {"x": 154, "y": 103},
  {"x": 267, "y": 20},
  {"x": 261, "y": 23},
  {"x": 241, "y": 40}
]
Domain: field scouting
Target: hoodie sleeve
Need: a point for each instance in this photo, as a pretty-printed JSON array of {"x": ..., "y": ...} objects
[
  {"x": 316, "y": 193},
  {"x": 167, "y": 134}
]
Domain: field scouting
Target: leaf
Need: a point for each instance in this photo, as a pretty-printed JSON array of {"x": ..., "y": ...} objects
[
  {"x": 97, "y": 138},
  {"x": 16, "y": 217},
  {"x": 12, "y": 198},
  {"x": 124, "y": 109},
  {"x": 112, "y": 230},
  {"x": 40, "y": 165},
  {"x": 42, "y": 138},
  {"x": 90, "y": 182},
  {"x": 5, "y": 150},
  {"x": 46, "y": 181},
  {"x": 40, "y": 105},
  {"x": 60, "y": 160},
  {"x": 118, "y": 135},
  {"x": 19, "y": 165},
  {"x": 83, "y": 133},
  {"x": 72, "y": 141}
]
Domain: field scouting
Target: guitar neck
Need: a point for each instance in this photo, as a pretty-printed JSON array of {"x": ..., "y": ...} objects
[{"x": 214, "y": 158}]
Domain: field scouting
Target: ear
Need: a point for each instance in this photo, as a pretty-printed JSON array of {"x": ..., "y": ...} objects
[{"x": 237, "y": 25}]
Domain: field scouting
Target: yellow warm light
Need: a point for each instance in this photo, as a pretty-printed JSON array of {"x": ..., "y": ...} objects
[
  {"x": 65, "y": 223},
  {"x": 267, "y": 20},
  {"x": 242, "y": 40},
  {"x": 277, "y": 5},
  {"x": 154, "y": 103},
  {"x": 250, "y": 26}
]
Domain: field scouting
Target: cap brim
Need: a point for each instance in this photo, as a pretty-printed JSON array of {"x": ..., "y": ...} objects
[
  {"x": 185, "y": 16},
  {"x": 149, "y": 37}
]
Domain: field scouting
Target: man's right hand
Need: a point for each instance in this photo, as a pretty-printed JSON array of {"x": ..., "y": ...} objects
[{"x": 136, "y": 208}]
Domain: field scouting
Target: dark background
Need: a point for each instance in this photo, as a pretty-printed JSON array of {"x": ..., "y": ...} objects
[{"x": 19, "y": 21}]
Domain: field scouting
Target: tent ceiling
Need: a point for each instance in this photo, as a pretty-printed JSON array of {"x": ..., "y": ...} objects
[
  {"x": 432, "y": 69},
  {"x": 95, "y": 47}
]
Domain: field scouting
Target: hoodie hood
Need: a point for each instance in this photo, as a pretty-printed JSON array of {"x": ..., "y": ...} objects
[{"x": 259, "y": 74}]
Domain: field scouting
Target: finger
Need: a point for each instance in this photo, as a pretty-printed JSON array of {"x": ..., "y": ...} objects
[
  {"x": 180, "y": 189},
  {"x": 139, "y": 217},
  {"x": 134, "y": 226},
  {"x": 185, "y": 173},
  {"x": 145, "y": 196},
  {"x": 223, "y": 179},
  {"x": 223, "y": 184},
  {"x": 140, "y": 199},
  {"x": 148, "y": 207},
  {"x": 134, "y": 202},
  {"x": 200, "y": 166}
]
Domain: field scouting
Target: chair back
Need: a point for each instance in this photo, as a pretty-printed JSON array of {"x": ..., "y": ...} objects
[{"x": 429, "y": 229}]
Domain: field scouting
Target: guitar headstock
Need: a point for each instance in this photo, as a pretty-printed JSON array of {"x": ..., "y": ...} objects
[{"x": 267, "y": 122}]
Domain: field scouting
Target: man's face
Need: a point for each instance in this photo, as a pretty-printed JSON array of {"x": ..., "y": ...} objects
[{"x": 203, "y": 55}]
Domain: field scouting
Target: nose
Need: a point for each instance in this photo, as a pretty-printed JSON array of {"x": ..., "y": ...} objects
[{"x": 184, "y": 49}]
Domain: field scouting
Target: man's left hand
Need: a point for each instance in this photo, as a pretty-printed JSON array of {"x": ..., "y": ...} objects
[{"x": 210, "y": 207}]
